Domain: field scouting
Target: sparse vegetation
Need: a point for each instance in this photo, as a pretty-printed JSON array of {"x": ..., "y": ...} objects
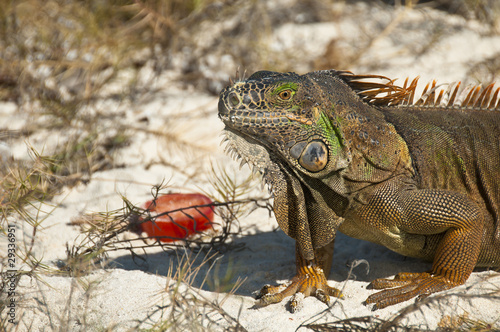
[
  {"x": 101, "y": 231},
  {"x": 71, "y": 69}
]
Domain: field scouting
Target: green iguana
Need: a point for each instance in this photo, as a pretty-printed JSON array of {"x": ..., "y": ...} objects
[{"x": 355, "y": 154}]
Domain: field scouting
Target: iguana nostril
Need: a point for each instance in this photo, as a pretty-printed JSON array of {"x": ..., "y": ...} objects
[{"x": 233, "y": 99}]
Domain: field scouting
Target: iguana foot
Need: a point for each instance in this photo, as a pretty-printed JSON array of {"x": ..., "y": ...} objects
[
  {"x": 408, "y": 285},
  {"x": 309, "y": 281}
]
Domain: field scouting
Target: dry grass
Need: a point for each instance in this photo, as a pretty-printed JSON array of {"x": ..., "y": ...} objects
[
  {"x": 187, "y": 308},
  {"x": 57, "y": 59},
  {"x": 109, "y": 231},
  {"x": 102, "y": 232}
]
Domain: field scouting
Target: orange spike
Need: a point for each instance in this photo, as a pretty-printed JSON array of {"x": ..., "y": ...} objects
[
  {"x": 413, "y": 87},
  {"x": 421, "y": 100},
  {"x": 469, "y": 100},
  {"x": 425, "y": 89},
  {"x": 482, "y": 101},
  {"x": 454, "y": 95},
  {"x": 404, "y": 97},
  {"x": 440, "y": 96},
  {"x": 431, "y": 96},
  {"x": 406, "y": 82},
  {"x": 475, "y": 96},
  {"x": 466, "y": 100},
  {"x": 495, "y": 100}
]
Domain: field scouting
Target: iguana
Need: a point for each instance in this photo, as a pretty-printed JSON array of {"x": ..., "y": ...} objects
[{"x": 356, "y": 154}]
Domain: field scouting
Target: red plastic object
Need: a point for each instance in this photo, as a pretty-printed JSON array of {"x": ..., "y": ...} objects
[{"x": 178, "y": 225}]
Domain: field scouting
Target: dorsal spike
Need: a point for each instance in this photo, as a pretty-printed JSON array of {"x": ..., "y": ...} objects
[
  {"x": 426, "y": 88},
  {"x": 495, "y": 100},
  {"x": 406, "y": 82},
  {"x": 475, "y": 96},
  {"x": 469, "y": 97},
  {"x": 421, "y": 100},
  {"x": 432, "y": 94},
  {"x": 483, "y": 99},
  {"x": 453, "y": 96},
  {"x": 412, "y": 88},
  {"x": 382, "y": 91},
  {"x": 429, "y": 99},
  {"x": 440, "y": 96}
]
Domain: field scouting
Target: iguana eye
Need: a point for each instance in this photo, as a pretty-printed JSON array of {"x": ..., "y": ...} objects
[
  {"x": 314, "y": 157},
  {"x": 285, "y": 94},
  {"x": 285, "y": 90}
]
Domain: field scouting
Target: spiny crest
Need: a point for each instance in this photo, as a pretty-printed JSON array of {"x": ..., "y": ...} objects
[
  {"x": 253, "y": 154},
  {"x": 231, "y": 149},
  {"x": 386, "y": 93},
  {"x": 239, "y": 77}
]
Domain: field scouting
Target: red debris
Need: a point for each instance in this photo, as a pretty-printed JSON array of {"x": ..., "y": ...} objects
[{"x": 178, "y": 225}]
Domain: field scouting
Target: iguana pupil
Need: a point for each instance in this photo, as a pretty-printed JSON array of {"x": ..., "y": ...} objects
[{"x": 285, "y": 95}]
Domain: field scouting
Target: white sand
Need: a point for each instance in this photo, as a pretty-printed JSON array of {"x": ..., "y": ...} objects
[{"x": 127, "y": 296}]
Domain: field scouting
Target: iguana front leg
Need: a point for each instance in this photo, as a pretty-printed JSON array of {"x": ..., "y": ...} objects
[
  {"x": 429, "y": 212},
  {"x": 310, "y": 280}
]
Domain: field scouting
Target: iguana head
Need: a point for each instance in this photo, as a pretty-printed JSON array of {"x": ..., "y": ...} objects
[
  {"x": 313, "y": 139},
  {"x": 290, "y": 115}
]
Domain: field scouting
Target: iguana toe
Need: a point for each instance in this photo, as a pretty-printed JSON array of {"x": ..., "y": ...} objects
[
  {"x": 309, "y": 282},
  {"x": 405, "y": 286}
]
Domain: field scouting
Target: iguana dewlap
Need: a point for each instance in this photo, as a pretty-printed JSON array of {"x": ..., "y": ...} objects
[{"x": 344, "y": 152}]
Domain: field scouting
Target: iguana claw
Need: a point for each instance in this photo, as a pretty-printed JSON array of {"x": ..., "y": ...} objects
[
  {"x": 405, "y": 286},
  {"x": 310, "y": 280}
]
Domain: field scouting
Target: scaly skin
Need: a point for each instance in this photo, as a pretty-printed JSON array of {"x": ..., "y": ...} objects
[{"x": 424, "y": 181}]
